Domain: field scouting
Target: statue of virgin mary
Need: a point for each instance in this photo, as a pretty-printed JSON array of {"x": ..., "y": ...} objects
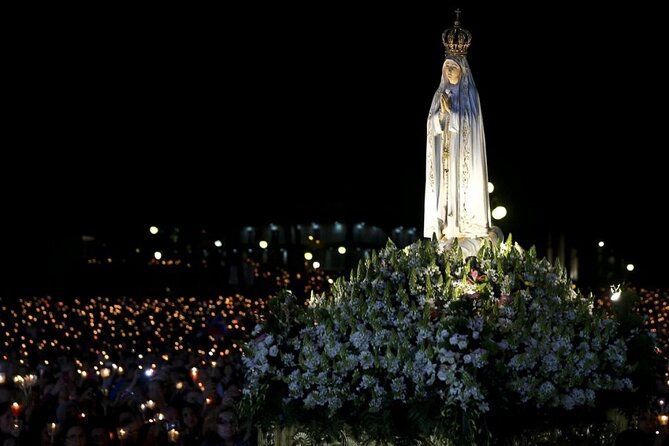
[{"x": 456, "y": 178}]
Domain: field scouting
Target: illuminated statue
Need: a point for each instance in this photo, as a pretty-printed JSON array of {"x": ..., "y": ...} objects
[{"x": 456, "y": 178}]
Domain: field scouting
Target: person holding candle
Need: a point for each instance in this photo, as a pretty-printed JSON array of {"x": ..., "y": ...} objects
[{"x": 7, "y": 431}]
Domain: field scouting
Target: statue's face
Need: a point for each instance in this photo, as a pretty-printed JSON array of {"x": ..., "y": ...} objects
[{"x": 452, "y": 71}]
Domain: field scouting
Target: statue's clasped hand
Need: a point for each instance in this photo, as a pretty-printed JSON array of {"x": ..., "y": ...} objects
[{"x": 444, "y": 102}]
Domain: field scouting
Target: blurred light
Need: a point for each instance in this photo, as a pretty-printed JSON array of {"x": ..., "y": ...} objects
[
  {"x": 491, "y": 187},
  {"x": 308, "y": 256},
  {"x": 153, "y": 230},
  {"x": 630, "y": 267},
  {"x": 157, "y": 255},
  {"x": 263, "y": 244},
  {"x": 499, "y": 213},
  {"x": 316, "y": 265},
  {"x": 218, "y": 243},
  {"x": 615, "y": 296},
  {"x": 600, "y": 244},
  {"x": 341, "y": 250}
]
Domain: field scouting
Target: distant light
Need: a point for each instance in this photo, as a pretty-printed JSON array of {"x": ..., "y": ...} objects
[
  {"x": 308, "y": 256},
  {"x": 341, "y": 250},
  {"x": 630, "y": 267},
  {"x": 218, "y": 243},
  {"x": 600, "y": 244},
  {"x": 153, "y": 230},
  {"x": 263, "y": 244},
  {"x": 330, "y": 281},
  {"x": 491, "y": 187},
  {"x": 157, "y": 255},
  {"x": 316, "y": 265},
  {"x": 311, "y": 237},
  {"x": 615, "y": 296},
  {"x": 499, "y": 213}
]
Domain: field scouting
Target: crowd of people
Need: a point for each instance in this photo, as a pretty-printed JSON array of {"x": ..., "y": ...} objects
[
  {"x": 145, "y": 400},
  {"x": 124, "y": 372},
  {"x": 130, "y": 371}
]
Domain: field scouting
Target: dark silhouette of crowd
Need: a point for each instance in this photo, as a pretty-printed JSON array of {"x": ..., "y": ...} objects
[{"x": 145, "y": 400}]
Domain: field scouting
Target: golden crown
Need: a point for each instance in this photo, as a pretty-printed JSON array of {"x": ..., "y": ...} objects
[{"x": 456, "y": 40}]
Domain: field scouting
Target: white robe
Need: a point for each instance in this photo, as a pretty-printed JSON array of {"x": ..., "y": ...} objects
[{"x": 456, "y": 178}]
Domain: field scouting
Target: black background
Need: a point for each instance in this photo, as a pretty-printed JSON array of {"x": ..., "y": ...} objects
[{"x": 119, "y": 118}]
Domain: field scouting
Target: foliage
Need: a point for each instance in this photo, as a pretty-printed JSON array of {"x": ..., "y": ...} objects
[{"x": 420, "y": 342}]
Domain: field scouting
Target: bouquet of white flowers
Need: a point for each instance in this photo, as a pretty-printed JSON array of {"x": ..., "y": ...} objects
[{"x": 422, "y": 343}]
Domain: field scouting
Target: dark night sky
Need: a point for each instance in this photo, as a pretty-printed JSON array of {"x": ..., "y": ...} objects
[{"x": 223, "y": 119}]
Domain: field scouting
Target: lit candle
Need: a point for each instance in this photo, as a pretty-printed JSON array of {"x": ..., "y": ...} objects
[
  {"x": 16, "y": 409},
  {"x": 51, "y": 428},
  {"x": 30, "y": 380},
  {"x": 173, "y": 436}
]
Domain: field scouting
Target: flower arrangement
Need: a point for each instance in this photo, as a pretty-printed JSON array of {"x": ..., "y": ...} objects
[{"x": 422, "y": 343}]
